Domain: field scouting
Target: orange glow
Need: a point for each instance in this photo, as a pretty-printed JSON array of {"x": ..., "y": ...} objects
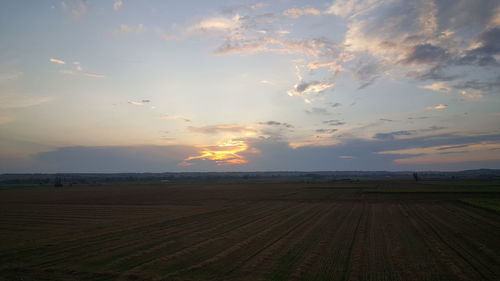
[{"x": 224, "y": 153}]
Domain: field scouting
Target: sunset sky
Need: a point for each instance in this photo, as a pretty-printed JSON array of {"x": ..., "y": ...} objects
[{"x": 170, "y": 86}]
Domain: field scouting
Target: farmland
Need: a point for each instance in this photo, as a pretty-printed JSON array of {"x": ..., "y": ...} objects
[{"x": 365, "y": 230}]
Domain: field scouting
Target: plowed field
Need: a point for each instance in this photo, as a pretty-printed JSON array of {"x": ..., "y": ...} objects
[{"x": 254, "y": 231}]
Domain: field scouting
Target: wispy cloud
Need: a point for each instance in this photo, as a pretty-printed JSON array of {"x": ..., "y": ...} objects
[
  {"x": 406, "y": 133},
  {"x": 58, "y": 61},
  {"x": 231, "y": 128},
  {"x": 468, "y": 152},
  {"x": 141, "y": 102},
  {"x": 346, "y": 157},
  {"x": 276, "y": 124},
  {"x": 15, "y": 101},
  {"x": 438, "y": 87},
  {"x": 133, "y": 29},
  {"x": 77, "y": 69},
  {"x": 117, "y": 5},
  {"x": 81, "y": 73},
  {"x": 176, "y": 117},
  {"x": 76, "y": 8},
  {"x": 437, "y": 107},
  {"x": 295, "y": 13}
]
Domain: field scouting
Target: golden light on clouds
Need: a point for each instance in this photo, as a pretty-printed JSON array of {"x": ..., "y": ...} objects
[
  {"x": 483, "y": 151},
  {"x": 224, "y": 153}
]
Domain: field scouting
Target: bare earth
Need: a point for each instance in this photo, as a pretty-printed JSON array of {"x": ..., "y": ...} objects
[{"x": 249, "y": 231}]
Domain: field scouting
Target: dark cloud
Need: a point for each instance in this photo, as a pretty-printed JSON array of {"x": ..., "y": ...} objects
[
  {"x": 487, "y": 86},
  {"x": 317, "y": 111},
  {"x": 465, "y": 14},
  {"x": 436, "y": 73},
  {"x": 276, "y": 123},
  {"x": 277, "y": 155},
  {"x": 490, "y": 41},
  {"x": 425, "y": 54},
  {"x": 367, "y": 74},
  {"x": 328, "y": 131},
  {"x": 107, "y": 159},
  {"x": 334, "y": 104},
  {"x": 393, "y": 135},
  {"x": 484, "y": 55},
  {"x": 334, "y": 122},
  {"x": 387, "y": 120},
  {"x": 419, "y": 118},
  {"x": 274, "y": 154}
]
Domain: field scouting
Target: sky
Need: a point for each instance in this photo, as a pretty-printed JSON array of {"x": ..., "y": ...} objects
[{"x": 182, "y": 86}]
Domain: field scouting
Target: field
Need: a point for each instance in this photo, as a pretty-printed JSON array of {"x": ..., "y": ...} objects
[{"x": 366, "y": 230}]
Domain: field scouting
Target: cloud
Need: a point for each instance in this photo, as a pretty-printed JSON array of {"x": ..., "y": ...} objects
[
  {"x": 58, "y": 61},
  {"x": 472, "y": 151},
  {"x": 114, "y": 159},
  {"x": 125, "y": 28},
  {"x": 468, "y": 152},
  {"x": 78, "y": 70},
  {"x": 164, "y": 35},
  {"x": 176, "y": 117},
  {"x": 333, "y": 104},
  {"x": 140, "y": 103},
  {"x": 438, "y": 87},
  {"x": 326, "y": 131},
  {"x": 15, "y": 102},
  {"x": 425, "y": 54},
  {"x": 317, "y": 111},
  {"x": 295, "y": 13},
  {"x": 347, "y": 8},
  {"x": 424, "y": 39},
  {"x": 312, "y": 87},
  {"x": 346, "y": 157},
  {"x": 393, "y": 135},
  {"x": 486, "y": 49},
  {"x": 76, "y": 8},
  {"x": 477, "y": 88},
  {"x": 217, "y": 24},
  {"x": 333, "y": 66},
  {"x": 334, "y": 122},
  {"x": 117, "y": 5},
  {"x": 217, "y": 129},
  {"x": 229, "y": 48},
  {"x": 276, "y": 123},
  {"x": 93, "y": 75},
  {"x": 437, "y": 107},
  {"x": 368, "y": 154},
  {"x": 223, "y": 153},
  {"x": 81, "y": 73}
]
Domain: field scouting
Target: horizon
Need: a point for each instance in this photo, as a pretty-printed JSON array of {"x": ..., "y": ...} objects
[{"x": 122, "y": 86}]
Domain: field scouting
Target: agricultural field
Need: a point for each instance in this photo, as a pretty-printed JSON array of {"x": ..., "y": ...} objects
[{"x": 365, "y": 230}]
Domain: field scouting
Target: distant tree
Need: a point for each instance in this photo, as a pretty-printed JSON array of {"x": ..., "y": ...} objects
[
  {"x": 416, "y": 177},
  {"x": 58, "y": 182}
]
